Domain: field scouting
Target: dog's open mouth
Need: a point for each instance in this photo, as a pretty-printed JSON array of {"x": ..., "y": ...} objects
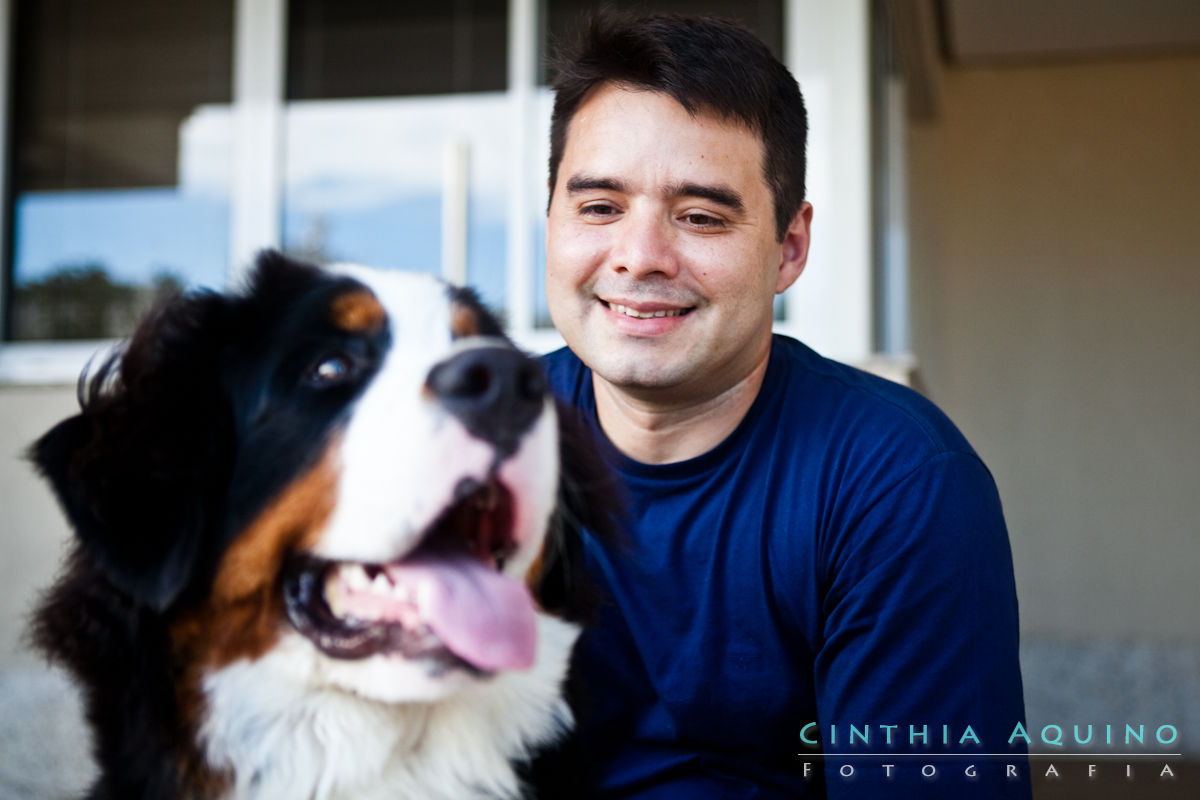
[{"x": 447, "y": 601}]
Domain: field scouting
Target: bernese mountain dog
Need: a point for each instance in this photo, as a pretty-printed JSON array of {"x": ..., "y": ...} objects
[{"x": 326, "y": 536}]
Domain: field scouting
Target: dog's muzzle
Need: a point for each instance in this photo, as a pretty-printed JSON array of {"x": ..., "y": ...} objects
[{"x": 447, "y": 600}]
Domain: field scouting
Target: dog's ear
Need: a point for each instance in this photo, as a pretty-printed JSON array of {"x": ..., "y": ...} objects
[{"x": 134, "y": 470}]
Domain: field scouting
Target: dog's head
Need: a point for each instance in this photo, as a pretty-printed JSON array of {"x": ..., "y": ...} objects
[{"x": 350, "y": 465}]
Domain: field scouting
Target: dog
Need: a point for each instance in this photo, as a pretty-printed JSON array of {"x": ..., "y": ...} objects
[{"x": 327, "y": 545}]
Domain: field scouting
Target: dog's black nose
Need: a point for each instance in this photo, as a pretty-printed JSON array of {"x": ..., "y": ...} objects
[{"x": 497, "y": 392}]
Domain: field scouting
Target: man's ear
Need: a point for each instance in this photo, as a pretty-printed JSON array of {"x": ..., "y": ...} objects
[
  {"x": 794, "y": 254},
  {"x": 138, "y": 471}
]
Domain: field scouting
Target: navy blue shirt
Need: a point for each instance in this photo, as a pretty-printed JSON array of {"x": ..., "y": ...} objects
[{"x": 839, "y": 560}]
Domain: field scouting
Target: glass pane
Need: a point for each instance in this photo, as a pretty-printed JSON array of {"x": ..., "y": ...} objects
[
  {"x": 382, "y": 96},
  {"x": 363, "y": 182},
  {"x": 385, "y": 48},
  {"x": 121, "y": 160}
]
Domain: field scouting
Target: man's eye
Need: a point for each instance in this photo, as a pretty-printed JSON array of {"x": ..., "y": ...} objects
[
  {"x": 331, "y": 370},
  {"x": 701, "y": 220},
  {"x": 598, "y": 210}
]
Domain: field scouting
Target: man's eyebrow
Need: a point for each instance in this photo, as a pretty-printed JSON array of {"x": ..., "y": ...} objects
[
  {"x": 584, "y": 183},
  {"x": 717, "y": 194}
]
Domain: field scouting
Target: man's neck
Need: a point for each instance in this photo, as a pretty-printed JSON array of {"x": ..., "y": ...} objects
[{"x": 657, "y": 430}]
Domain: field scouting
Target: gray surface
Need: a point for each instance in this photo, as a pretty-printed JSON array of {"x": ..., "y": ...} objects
[
  {"x": 44, "y": 749},
  {"x": 45, "y": 753},
  {"x": 1117, "y": 683}
]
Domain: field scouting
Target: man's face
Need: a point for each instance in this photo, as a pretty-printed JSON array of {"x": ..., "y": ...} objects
[{"x": 661, "y": 248}]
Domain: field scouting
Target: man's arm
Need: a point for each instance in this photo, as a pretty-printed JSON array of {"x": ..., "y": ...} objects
[{"x": 920, "y": 646}]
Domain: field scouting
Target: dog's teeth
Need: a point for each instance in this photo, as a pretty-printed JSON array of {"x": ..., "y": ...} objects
[
  {"x": 356, "y": 577},
  {"x": 402, "y": 593},
  {"x": 333, "y": 595},
  {"x": 381, "y": 584}
]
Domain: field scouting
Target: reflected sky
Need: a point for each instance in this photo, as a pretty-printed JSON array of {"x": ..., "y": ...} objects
[
  {"x": 362, "y": 182},
  {"x": 134, "y": 233}
]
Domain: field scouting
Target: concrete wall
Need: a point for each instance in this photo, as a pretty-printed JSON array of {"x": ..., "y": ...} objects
[
  {"x": 1055, "y": 256},
  {"x": 43, "y": 745},
  {"x": 33, "y": 532}
]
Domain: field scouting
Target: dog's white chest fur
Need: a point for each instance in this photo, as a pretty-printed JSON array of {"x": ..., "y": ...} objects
[{"x": 283, "y": 736}]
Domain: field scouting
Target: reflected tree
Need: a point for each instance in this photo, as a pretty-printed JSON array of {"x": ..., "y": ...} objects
[{"x": 82, "y": 301}]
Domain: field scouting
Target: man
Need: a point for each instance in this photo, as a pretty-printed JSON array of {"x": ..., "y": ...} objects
[{"x": 812, "y": 548}]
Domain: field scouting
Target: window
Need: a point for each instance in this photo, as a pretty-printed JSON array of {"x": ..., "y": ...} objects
[
  {"x": 406, "y": 135},
  {"x": 119, "y": 183},
  {"x": 396, "y": 136}
]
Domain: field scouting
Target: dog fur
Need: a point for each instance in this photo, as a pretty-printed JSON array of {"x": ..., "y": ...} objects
[{"x": 231, "y": 478}]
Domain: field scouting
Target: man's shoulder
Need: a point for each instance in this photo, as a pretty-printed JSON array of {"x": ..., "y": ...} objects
[
  {"x": 560, "y": 359},
  {"x": 858, "y": 403}
]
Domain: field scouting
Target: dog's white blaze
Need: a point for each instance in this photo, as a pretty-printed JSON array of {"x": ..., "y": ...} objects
[{"x": 402, "y": 455}]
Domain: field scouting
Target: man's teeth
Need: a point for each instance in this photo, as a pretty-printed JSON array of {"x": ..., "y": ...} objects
[{"x": 629, "y": 312}]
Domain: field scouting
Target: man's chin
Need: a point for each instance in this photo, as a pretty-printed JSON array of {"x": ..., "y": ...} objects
[{"x": 634, "y": 369}]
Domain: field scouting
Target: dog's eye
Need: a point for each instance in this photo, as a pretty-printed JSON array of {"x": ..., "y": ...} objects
[{"x": 332, "y": 370}]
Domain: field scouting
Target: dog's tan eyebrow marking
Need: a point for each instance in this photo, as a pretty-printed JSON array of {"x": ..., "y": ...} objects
[
  {"x": 533, "y": 575},
  {"x": 358, "y": 311},
  {"x": 464, "y": 321}
]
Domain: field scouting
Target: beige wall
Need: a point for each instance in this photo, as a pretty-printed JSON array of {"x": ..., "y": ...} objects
[
  {"x": 31, "y": 541},
  {"x": 1055, "y": 256}
]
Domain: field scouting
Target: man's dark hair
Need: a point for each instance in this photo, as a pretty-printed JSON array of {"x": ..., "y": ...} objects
[{"x": 708, "y": 65}]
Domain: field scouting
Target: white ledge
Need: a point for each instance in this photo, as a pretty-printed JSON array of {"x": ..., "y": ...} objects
[
  {"x": 49, "y": 363},
  {"x": 60, "y": 363}
]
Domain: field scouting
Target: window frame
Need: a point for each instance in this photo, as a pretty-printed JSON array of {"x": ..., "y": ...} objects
[
  {"x": 6, "y": 207},
  {"x": 827, "y": 47}
]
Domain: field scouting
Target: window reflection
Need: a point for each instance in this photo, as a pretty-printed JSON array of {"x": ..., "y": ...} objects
[
  {"x": 122, "y": 143},
  {"x": 120, "y": 182},
  {"x": 364, "y": 181},
  {"x": 379, "y": 93}
]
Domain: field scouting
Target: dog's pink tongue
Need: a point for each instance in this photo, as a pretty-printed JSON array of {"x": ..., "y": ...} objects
[{"x": 482, "y": 616}]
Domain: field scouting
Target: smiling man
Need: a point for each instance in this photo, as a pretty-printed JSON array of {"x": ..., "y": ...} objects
[
  {"x": 663, "y": 263},
  {"x": 812, "y": 547}
]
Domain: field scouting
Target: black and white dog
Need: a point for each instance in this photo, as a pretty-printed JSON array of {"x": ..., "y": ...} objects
[{"x": 324, "y": 545}]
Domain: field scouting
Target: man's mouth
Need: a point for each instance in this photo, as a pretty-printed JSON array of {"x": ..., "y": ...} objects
[
  {"x": 447, "y": 601},
  {"x": 648, "y": 314}
]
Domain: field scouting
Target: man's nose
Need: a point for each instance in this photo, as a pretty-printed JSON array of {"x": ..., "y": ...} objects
[
  {"x": 497, "y": 393},
  {"x": 645, "y": 244}
]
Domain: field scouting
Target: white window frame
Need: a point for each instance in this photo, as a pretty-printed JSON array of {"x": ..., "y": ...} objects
[
  {"x": 256, "y": 188},
  {"x": 826, "y": 46}
]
